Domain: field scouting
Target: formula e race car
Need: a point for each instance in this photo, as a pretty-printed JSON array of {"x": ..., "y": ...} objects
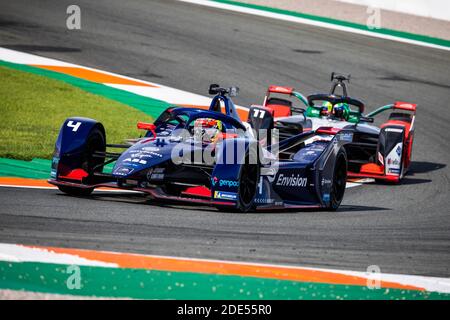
[
  {"x": 207, "y": 156},
  {"x": 382, "y": 153}
]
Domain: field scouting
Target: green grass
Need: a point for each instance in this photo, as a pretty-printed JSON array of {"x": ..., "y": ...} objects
[{"x": 33, "y": 108}]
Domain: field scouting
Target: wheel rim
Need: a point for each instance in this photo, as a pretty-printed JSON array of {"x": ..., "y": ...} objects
[
  {"x": 340, "y": 181},
  {"x": 247, "y": 186}
]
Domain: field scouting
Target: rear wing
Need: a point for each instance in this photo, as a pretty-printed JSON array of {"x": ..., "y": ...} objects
[
  {"x": 399, "y": 105},
  {"x": 283, "y": 90},
  {"x": 280, "y": 90}
]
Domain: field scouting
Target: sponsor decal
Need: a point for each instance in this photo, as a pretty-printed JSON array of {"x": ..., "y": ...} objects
[
  {"x": 123, "y": 171},
  {"x": 176, "y": 139},
  {"x": 264, "y": 201},
  {"x": 143, "y": 155},
  {"x": 326, "y": 182},
  {"x": 135, "y": 160},
  {"x": 395, "y": 171},
  {"x": 153, "y": 149},
  {"x": 291, "y": 181},
  {"x": 394, "y": 162},
  {"x": 55, "y": 162},
  {"x": 154, "y": 154},
  {"x": 326, "y": 197},
  {"x": 399, "y": 150},
  {"x": 348, "y": 136},
  {"x": 393, "y": 130},
  {"x": 222, "y": 182},
  {"x": 225, "y": 195}
]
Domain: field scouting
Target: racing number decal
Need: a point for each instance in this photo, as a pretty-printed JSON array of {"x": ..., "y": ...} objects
[
  {"x": 259, "y": 113},
  {"x": 74, "y": 125}
]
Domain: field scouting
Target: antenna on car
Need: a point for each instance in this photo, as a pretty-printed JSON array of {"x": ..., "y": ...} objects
[{"x": 338, "y": 82}]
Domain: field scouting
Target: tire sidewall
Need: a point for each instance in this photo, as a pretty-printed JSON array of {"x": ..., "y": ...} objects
[{"x": 335, "y": 202}]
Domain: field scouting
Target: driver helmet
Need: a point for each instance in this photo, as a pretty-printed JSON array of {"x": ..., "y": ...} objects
[
  {"x": 341, "y": 110},
  {"x": 327, "y": 108},
  {"x": 207, "y": 130}
]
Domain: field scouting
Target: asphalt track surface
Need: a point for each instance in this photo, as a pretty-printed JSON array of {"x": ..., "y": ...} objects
[{"x": 403, "y": 229}]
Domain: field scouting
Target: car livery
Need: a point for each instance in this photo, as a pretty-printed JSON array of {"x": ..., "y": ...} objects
[
  {"x": 205, "y": 156},
  {"x": 380, "y": 152}
]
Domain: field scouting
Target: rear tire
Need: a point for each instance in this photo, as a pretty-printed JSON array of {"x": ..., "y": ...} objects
[{"x": 339, "y": 181}]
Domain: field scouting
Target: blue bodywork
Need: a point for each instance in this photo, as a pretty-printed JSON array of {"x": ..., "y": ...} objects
[{"x": 302, "y": 180}]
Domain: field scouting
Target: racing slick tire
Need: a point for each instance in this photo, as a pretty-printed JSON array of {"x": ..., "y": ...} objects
[
  {"x": 339, "y": 181},
  {"x": 248, "y": 184},
  {"x": 96, "y": 141}
]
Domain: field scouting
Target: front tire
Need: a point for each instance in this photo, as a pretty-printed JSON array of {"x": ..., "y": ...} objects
[
  {"x": 248, "y": 184},
  {"x": 96, "y": 141},
  {"x": 339, "y": 181}
]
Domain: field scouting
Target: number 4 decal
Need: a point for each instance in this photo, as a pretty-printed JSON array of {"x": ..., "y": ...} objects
[
  {"x": 259, "y": 113},
  {"x": 74, "y": 125}
]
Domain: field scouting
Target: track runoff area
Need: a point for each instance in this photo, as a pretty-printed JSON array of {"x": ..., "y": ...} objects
[{"x": 125, "y": 275}]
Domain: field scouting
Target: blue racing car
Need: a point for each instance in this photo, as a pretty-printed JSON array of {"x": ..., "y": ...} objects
[{"x": 210, "y": 157}]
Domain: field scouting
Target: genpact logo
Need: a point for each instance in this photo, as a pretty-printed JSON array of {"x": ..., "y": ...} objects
[
  {"x": 229, "y": 183},
  {"x": 222, "y": 182}
]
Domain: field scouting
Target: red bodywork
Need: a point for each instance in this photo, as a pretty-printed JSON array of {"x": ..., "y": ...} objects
[
  {"x": 278, "y": 109},
  {"x": 149, "y": 127},
  {"x": 377, "y": 170}
]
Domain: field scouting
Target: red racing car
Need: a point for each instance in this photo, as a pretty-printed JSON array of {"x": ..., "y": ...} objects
[{"x": 382, "y": 153}]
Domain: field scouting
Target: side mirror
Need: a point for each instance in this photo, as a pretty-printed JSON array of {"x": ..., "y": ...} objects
[
  {"x": 146, "y": 126},
  {"x": 234, "y": 91},
  {"x": 213, "y": 88},
  {"x": 366, "y": 119}
]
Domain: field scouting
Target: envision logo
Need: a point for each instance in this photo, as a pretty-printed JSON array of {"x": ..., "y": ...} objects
[{"x": 291, "y": 181}]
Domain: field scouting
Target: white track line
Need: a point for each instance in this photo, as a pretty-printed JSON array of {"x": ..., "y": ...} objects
[
  {"x": 18, "y": 253},
  {"x": 285, "y": 17}
]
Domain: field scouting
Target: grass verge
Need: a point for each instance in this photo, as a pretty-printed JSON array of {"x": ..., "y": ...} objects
[{"x": 34, "y": 107}]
